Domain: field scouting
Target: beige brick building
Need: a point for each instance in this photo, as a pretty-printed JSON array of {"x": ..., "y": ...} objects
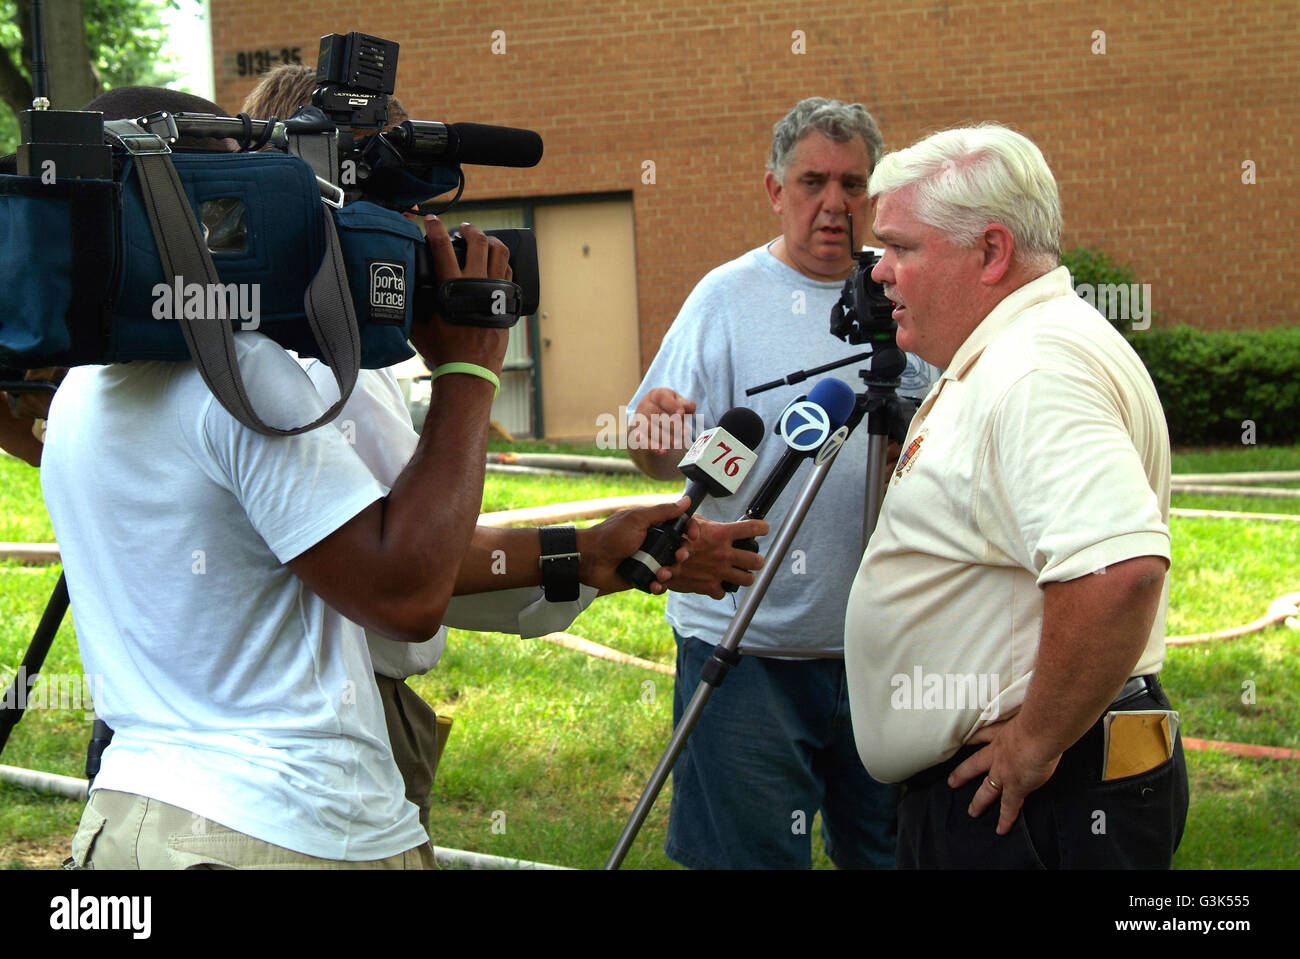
[{"x": 657, "y": 117}]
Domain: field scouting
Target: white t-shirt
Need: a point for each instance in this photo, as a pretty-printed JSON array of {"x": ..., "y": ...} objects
[
  {"x": 232, "y": 690},
  {"x": 1041, "y": 456},
  {"x": 376, "y": 422},
  {"x": 378, "y": 426},
  {"x": 748, "y": 322}
]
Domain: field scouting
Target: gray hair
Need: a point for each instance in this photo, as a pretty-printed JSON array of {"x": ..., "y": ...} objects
[
  {"x": 840, "y": 122},
  {"x": 968, "y": 178}
]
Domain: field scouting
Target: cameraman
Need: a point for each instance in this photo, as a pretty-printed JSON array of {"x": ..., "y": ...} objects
[
  {"x": 385, "y": 439},
  {"x": 204, "y": 561}
]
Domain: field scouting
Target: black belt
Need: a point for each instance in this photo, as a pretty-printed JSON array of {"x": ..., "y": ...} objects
[{"x": 1136, "y": 686}]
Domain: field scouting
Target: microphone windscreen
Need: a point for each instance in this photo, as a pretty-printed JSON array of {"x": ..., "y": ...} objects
[
  {"x": 836, "y": 397},
  {"x": 745, "y": 425},
  {"x": 481, "y": 143}
]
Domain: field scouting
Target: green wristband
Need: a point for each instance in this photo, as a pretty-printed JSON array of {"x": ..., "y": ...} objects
[{"x": 473, "y": 369}]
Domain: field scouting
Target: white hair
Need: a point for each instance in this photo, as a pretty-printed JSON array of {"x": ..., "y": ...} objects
[{"x": 967, "y": 178}]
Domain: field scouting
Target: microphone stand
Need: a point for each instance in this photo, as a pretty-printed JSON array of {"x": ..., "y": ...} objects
[
  {"x": 32, "y": 662},
  {"x": 877, "y": 404},
  {"x": 42, "y": 639},
  {"x": 50, "y": 620},
  {"x": 724, "y": 654}
]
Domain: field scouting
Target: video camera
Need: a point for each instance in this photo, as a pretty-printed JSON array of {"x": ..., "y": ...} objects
[
  {"x": 864, "y": 314},
  {"x": 356, "y": 74},
  {"x": 343, "y": 135},
  {"x": 110, "y": 226}
]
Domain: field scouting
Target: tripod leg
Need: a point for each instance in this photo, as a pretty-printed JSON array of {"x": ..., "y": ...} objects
[
  {"x": 31, "y": 665},
  {"x": 724, "y": 654}
]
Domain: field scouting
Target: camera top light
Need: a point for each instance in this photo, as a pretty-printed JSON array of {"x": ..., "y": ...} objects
[{"x": 358, "y": 61}]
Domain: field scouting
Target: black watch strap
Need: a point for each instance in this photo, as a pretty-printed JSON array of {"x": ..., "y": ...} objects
[{"x": 559, "y": 563}]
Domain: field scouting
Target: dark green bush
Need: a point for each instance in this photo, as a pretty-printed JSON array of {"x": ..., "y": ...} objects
[
  {"x": 1210, "y": 383},
  {"x": 1096, "y": 269},
  {"x": 1087, "y": 265}
]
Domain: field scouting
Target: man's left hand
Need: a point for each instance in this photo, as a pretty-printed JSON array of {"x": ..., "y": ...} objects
[
  {"x": 714, "y": 561},
  {"x": 1012, "y": 767}
]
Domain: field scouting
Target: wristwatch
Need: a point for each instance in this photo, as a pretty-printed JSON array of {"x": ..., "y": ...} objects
[{"x": 559, "y": 563}]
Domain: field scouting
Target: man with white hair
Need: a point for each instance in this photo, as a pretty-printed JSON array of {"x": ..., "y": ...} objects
[{"x": 1013, "y": 597}]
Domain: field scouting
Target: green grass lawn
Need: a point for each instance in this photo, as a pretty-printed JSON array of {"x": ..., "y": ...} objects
[{"x": 555, "y": 746}]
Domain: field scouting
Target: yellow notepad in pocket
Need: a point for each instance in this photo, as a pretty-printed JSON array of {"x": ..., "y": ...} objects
[{"x": 1137, "y": 741}]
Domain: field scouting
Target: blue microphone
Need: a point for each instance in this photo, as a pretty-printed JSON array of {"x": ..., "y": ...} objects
[{"x": 805, "y": 424}]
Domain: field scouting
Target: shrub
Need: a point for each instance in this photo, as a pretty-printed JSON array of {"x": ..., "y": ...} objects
[
  {"x": 1096, "y": 269},
  {"x": 1210, "y": 383}
]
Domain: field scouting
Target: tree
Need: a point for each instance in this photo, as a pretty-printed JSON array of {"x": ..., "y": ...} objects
[{"x": 117, "y": 43}]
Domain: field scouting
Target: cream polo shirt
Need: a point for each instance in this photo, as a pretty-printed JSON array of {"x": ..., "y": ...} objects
[{"x": 1041, "y": 455}]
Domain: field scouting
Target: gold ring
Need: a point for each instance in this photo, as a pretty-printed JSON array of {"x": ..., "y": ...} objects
[{"x": 997, "y": 786}]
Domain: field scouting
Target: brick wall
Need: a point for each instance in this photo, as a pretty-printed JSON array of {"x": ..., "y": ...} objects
[{"x": 1147, "y": 139}]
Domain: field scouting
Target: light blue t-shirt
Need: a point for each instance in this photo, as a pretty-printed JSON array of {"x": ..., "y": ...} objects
[{"x": 748, "y": 322}]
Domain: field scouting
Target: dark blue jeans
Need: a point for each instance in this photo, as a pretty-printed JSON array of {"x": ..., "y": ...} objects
[{"x": 774, "y": 745}]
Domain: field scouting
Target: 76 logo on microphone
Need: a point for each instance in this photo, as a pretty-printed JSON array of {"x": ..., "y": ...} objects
[{"x": 720, "y": 455}]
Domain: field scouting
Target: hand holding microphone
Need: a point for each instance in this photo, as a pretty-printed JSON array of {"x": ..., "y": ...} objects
[{"x": 716, "y": 465}]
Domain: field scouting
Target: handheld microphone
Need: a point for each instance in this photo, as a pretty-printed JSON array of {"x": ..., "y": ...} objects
[
  {"x": 804, "y": 425},
  {"x": 716, "y": 465}
]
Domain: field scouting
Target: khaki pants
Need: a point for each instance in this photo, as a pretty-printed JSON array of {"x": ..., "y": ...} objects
[
  {"x": 124, "y": 831},
  {"x": 417, "y": 736}
]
